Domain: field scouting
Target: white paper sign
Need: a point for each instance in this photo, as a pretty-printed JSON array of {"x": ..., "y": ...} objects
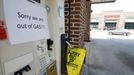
[{"x": 25, "y": 21}]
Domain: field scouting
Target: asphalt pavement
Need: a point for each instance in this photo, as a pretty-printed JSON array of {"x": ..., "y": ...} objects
[{"x": 110, "y": 54}]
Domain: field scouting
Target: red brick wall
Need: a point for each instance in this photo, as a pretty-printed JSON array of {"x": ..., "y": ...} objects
[
  {"x": 87, "y": 20},
  {"x": 80, "y": 18}
]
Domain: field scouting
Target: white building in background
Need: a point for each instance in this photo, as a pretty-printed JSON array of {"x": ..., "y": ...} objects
[{"x": 110, "y": 20}]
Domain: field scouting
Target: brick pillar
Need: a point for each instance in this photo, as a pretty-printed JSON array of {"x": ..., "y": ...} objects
[
  {"x": 79, "y": 21},
  {"x": 87, "y": 15}
]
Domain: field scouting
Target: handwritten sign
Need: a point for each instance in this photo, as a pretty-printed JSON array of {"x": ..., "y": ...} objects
[{"x": 25, "y": 21}]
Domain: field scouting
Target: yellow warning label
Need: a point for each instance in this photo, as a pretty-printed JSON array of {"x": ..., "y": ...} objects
[{"x": 75, "y": 59}]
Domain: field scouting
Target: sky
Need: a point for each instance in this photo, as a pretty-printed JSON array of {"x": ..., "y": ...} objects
[{"x": 125, "y": 5}]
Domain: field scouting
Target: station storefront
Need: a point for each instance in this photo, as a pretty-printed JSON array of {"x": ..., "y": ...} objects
[{"x": 111, "y": 20}]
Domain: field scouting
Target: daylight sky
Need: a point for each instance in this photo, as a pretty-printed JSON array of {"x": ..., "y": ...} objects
[{"x": 125, "y": 5}]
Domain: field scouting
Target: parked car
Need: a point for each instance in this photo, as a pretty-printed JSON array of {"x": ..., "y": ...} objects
[{"x": 119, "y": 32}]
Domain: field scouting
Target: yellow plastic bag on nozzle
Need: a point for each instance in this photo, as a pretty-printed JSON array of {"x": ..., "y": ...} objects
[{"x": 75, "y": 59}]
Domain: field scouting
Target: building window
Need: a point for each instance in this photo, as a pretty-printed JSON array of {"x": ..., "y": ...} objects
[
  {"x": 94, "y": 25},
  {"x": 110, "y": 26},
  {"x": 129, "y": 25}
]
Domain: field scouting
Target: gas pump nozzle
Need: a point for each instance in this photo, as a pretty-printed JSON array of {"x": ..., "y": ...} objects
[{"x": 49, "y": 44}]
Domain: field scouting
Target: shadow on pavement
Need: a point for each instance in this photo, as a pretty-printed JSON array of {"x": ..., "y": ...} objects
[{"x": 126, "y": 59}]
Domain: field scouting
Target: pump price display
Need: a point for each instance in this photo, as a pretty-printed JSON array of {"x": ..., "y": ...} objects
[{"x": 25, "y": 21}]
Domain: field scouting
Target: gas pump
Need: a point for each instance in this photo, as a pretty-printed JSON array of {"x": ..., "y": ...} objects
[{"x": 40, "y": 57}]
